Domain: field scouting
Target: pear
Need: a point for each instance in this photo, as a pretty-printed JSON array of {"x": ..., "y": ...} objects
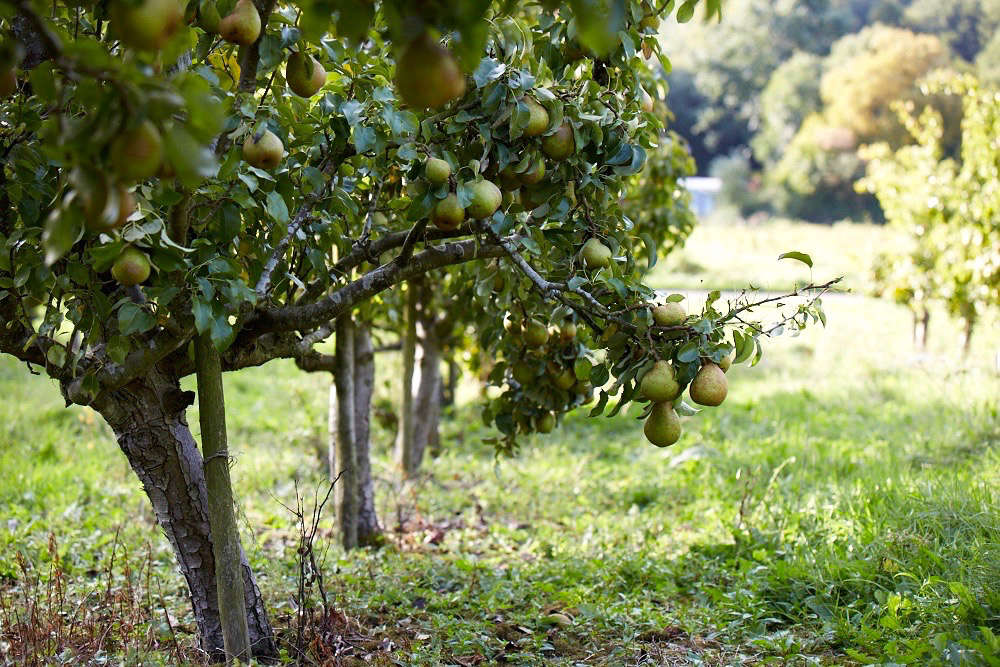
[
  {"x": 484, "y": 200},
  {"x": 560, "y": 144},
  {"x": 669, "y": 314},
  {"x": 304, "y": 74},
  {"x": 709, "y": 386},
  {"x": 535, "y": 334},
  {"x": 448, "y": 214},
  {"x": 510, "y": 179},
  {"x": 131, "y": 268},
  {"x": 596, "y": 254},
  {"x": 659, "y": 383},
  {"x": 545, "y": 423},
  {"x": 567, "y": 331},
  {"x": 534, "y": 174},
  {"x": 538, "y": 118},
  {"x": 663, "y": 426},
  {"x": 265, "y": 152},
  {"x": 645, "y": 101},
  {"x": 512, "y": 325},
  {"x": 510, "y": 198},
  {"x": 726, "y": 363},
  {"x": 523, "y": 372},
  {"x": 564, "y": 379},
  {"x": 437, "y": 171},
  {"x": 427, "y": 74},
  {"x": 242, "y": 25},
  {"x": 136, "y": 153},
  {"x": 147, "y": 25}
]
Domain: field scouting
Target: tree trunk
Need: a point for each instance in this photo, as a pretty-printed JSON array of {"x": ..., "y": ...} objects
[
  {"x": 421, "y": 380},
  {"x": 404, "y": 437},
  {"x": 221, "y": 515},
  {"x": 353, "y": 445},
  {"x": 969, "y": 325},
  {"x": 345, "y": 457},
  {"x": 364, "y": 386},
  {"x": 921, "y": 322},
  {"x": 148, "y": 419}
]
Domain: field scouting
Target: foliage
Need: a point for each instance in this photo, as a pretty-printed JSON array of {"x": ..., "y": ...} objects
[{"x": 947, "y": 207}]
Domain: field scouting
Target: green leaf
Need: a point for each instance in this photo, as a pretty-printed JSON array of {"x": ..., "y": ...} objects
[
  {"x": 63, "y": 228},
  {"x": 193, "y": 161},
  {"x": 688, "y": 352},
  {"x": 686, "y": 11},
  {"x": 276, "y": 207},
  {"x": 133, "y": 319},
  {"x": 798, "y": 256}
]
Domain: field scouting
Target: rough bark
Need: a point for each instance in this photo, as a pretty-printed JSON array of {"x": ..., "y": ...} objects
[
  {"x": 404, "y": 437},
  {"x": 221, "y": 515},
  {"x": 148, "y": 419},
  {"x": 346, "y": 499}
]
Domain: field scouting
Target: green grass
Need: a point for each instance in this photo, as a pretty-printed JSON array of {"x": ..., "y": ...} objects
[{"x": 840, "y": 508}]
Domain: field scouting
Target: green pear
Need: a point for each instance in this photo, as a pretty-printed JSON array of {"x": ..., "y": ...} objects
[
  {"x": 304, "y": 74},
  {"x": 545, "y": 423},
  {"x": 448, "y": 214},
  {"x": 726, "y": 363},
  {"x": 663, "y": 426},
  {"x": 534, "y": 174},
  {"x": 147, "y": 25},
  {"x": 535, "y": 334},
  {"x": 645, "y": 101},
  {"x": 567, "y": 331},
  {"x": 437, "y": 171},
  {"x": 669, "y": 314},
  {"x": 538, "y": 118},
  {"x": 659, "y": 383},
  {"x": 523, "y": 372},
  {"x": 242, "y": 25},
  {"x": 596, "y": 254},
  {"x": 564, "y": 379},
  {"x": 427, "y": 74},
  {"x": 709, "y": 386},
  {"x": 485, "y": 199},
  {"x": 136, "y": 153},
  {"x": 512, "y": 325},
  {"x": 265, "y": 152},
  {"x": 131, "y": 268},
  {"x": 560, "y": 144}
]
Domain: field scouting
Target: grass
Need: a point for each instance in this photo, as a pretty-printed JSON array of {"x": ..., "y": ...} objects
[{"x": 840, "y": 508}]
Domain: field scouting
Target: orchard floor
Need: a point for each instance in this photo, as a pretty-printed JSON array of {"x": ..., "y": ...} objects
[{"x": 840, "y": 508}]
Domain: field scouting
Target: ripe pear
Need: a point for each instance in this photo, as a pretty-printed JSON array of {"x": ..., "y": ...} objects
[
  {"x": 131, "y": 268},
  {"x": 645, "y": 101},
  {"x": 663, "y": 426},
  {"x": 659, "y": 383},
  {"x": 669, "y": 314},
  {"x": 545, "y": 423},
  {"x": 136, "y": 153},
  {"x": 534, "y": 174},
  {"x": 242, "y": 25},
  {"x": 147, "y": 25},
  {"x": 304, "y": 74},
  {"x": 560, "y": 144},
  {"x": 726, "y": 363},
  {"x": 596, "y": 254},
  {"x": 567, "y": 331},
  {"x": 427, "y": 74},
  {"x": 535, "y": 334},
  {"x": 564, "y": 379},
  {"x": 437, "y": 171},
  {"x": 523, "y": 372},
  {"x": 265, "y": 152},
  {"x": 448, "y": 214},
  {"x": 538, "y": 118},
  {"x": 512, "y": 325},
  {"x": 485, "y": 199},
  {"x": 709, "y": 386}
]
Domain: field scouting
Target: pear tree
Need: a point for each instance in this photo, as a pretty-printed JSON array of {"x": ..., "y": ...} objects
[{"x": 184, "y": 192}]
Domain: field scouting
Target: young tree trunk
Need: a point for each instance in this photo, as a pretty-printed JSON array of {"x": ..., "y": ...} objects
[
  {"x": 421, "y": 380},
  {"x": 346, "y": 500},
  {"x": 364, "y": 386},
  {"x": 221, "y": 515},
  {"x": 969, "y": 325},
  {"x": 921, "y": 321},
  {"x": 148, "y": 419}
]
